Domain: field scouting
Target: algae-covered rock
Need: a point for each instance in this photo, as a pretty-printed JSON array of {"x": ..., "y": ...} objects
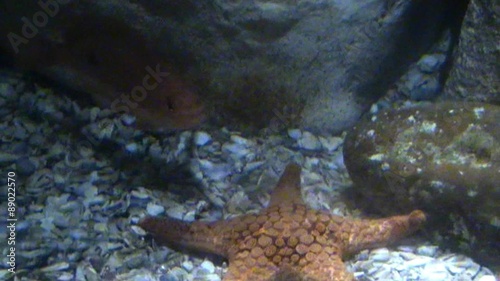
[{"x": 443, "y": 158}]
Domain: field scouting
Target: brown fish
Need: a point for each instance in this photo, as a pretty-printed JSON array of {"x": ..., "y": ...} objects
[{"x": 111, "y": 62}]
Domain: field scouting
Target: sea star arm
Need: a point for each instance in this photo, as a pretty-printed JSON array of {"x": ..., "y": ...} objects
[
  {"x": 200, "y": 236},
  {"x": 365, "y": 234}
]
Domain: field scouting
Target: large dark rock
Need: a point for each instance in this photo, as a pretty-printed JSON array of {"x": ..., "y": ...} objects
[
  {"x": 475, "y": 73},
  {"x": 315, "y": 64},
  {"x": 443, "y": 158}
]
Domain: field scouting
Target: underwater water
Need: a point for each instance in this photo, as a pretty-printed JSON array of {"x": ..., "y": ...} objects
[
  {"x": 82, "y": 187},
  {"x": 103, "y": 132}
]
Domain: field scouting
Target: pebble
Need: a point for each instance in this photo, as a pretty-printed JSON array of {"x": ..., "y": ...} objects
[
  {"x": 25, "y": 166},
  {"x": 22, "y": 226},
  {"x": 128, "y": 120},
  {"x": 20, "y": 133},
  {"x": 137, "y": 230},
  {"x": 177, "y": 212},
  {"x": 253, "y": 166},
  {"x": 95, "y": 200},
  {"x": 295, "y": 134},
  {"x": 309, "y": 141},
  {"x": 487, "y": 278},
  {"x": 7, "y": 158},
  {"x": 235, "y": 149},
  {"x": 100, "y": 227},
  {"x": 78, "y": 234},
  {"x": 176, "y": 274},
  {"x": 131, "y": 147},
  {"x": 133, "y": 261},
  {"x": 429, "y": 251},
  {"x": 435, "y": 271},
  {"x": 155, "y": 150},
  {"x": 331, "y": 143},
  {"x": 240, "y": 140},
  {"x": 22, "y": 148},
  {"x": 407, "y": 255},
  {"x": 208, "y": 266},
  {"x": 202, "y": 138},
  {"x": 431, "y": 63},
  {"x": 155, "y": 210},
  {"x": 419, "y": 261},
  {"x": 383, "y": 273},
  {"x": 454, "y": 269},
  {"x": 188, "y": 265},
  {"x": 380, "y": 255},
  {"x": 65, "y": 276},
  {"x": 214, "y": 171},
  {"x": 7, "y": 91},
  {"x": 140, "y": 194},
  {"x": 212, "y": 277},
  {"x": 56, "y": 267}
]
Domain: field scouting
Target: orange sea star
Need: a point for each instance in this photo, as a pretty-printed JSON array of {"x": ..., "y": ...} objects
[{"x": 287, "y": 240}]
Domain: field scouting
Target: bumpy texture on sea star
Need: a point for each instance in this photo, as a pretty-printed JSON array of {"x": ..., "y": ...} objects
[{"x": 285, "y": 241}]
